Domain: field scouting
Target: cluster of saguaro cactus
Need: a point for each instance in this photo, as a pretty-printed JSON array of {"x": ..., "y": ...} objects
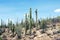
[
  {"x": 29, "y": 17},
  {"x": 28, "y": 21}
]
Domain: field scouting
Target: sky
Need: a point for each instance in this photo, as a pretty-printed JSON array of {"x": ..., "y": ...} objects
[{"x": 16, "y": 9}]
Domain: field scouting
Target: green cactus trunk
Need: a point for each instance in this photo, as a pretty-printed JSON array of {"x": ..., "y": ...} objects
[
  {"x": 13, "y": 29},
  {"x": 9, "y": 24},
  {"x": 36, "y": 19},
  {"x": 25, "y": 24},
  {"x": 30, "y": 20}
]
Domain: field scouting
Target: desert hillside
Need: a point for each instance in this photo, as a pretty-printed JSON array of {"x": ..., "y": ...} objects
[{"x": 31, "y": 29}]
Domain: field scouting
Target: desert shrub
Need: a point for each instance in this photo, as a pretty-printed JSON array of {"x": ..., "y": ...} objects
[
  {"x": 18, "y": 30},
  {"x": 0, "y": 38}
]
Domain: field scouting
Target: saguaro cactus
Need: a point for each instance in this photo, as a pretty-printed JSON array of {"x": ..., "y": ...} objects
[
  {"x": 26, "y": 24},
  {"x": 36, "y": 18},
  {"x": 13, "y": 29},
  {"x": 30, "y": 20}
]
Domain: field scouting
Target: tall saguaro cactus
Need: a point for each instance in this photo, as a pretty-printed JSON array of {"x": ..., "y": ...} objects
[
  {"x": 30, "y": 20},
  {"x": 36, "y": 18}
]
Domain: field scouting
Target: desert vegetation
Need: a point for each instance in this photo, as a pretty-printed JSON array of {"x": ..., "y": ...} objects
[{"x": 30, "y": 29}]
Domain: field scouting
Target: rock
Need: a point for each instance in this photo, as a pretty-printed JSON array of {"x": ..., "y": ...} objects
[
  {"x": 28, "y": 31},
  {"x": 49, "y": 32},
  {"x": 56, "y": 37},
  {"x": 15, "y": 38},
  {"x": 35, "y": 38},
  {"x": 38, "y": 33},
  {"x": 23, "y": 31},
  {"x": 42, "y": 37}
]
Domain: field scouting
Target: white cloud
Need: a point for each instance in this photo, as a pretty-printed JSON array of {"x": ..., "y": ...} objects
[{"x": 57, "y": 10}]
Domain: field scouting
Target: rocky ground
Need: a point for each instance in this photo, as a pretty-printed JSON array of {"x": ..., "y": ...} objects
[{"x": 50, "y": 34}]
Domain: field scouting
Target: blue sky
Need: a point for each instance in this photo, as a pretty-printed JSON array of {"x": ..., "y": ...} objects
[{"x": 14, "y": 9}]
